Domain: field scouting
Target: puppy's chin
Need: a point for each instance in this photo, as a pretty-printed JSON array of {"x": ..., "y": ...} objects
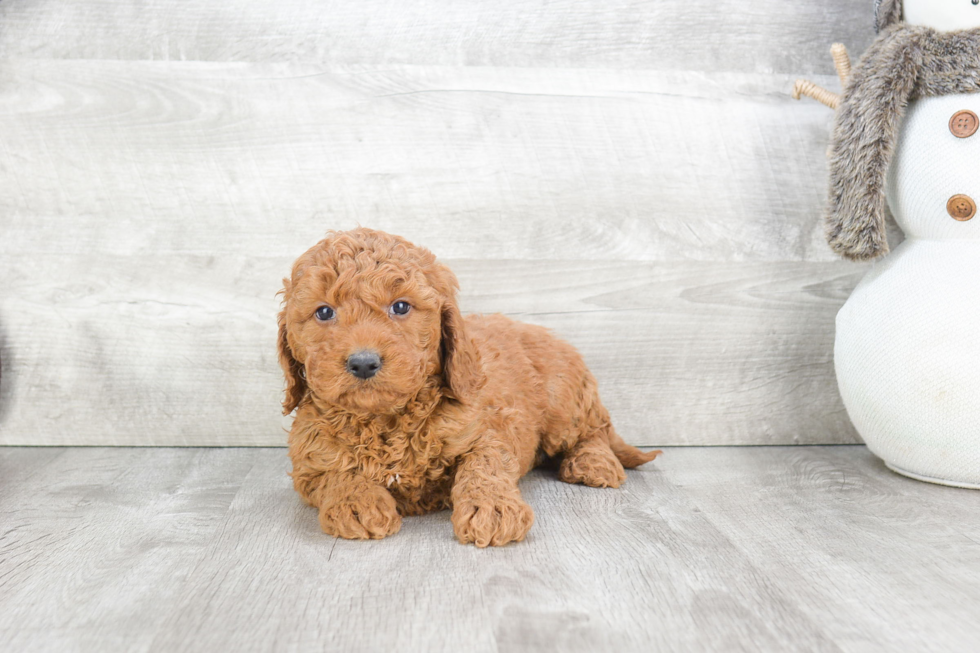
[
  {"x": 376, "y": 400},
  {"x": 372, "y": 397}
]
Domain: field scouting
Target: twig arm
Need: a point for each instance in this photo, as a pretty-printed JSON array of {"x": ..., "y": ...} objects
[
  {"x": 842, "y": 62},
  {"x": 818, "y": 93}
]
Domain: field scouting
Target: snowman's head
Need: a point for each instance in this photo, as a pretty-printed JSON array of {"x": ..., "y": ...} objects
[{"x": 943, "y": 15}]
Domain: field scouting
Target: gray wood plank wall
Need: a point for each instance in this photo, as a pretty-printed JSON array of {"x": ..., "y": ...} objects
[{"x": 632, "y": 174}]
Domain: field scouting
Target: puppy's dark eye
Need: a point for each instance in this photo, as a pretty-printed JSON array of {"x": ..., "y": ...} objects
[
  {"x": 325, "y": 314},
  {"x": 400, "y": 308}
]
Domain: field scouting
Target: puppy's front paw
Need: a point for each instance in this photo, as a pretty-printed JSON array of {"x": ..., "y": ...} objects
[
  {"x": 368, "y": 516},
  {"x": 491, "y": 519}
]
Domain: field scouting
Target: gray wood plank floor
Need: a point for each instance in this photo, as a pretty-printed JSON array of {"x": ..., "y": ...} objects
[{"x": 774, "y": 549}]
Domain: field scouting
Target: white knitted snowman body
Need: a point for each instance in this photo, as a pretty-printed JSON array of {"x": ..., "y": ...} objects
[{"x": 908, "y": 340}]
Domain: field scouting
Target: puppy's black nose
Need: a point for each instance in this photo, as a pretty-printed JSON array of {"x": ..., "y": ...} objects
[{"x": 364, "y": 364}]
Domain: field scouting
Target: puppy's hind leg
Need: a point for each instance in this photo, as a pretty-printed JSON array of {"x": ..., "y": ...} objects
[
  {"x": 578, "y": 426},
  {"x": 598, "y": 459},
  {"x": 592, "y": 462}
]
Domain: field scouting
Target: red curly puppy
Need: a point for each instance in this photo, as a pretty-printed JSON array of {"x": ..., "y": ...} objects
[{"x": 405, "y": 407}]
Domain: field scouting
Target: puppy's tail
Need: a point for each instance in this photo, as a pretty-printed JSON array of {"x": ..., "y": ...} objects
[{"x": 629, "y": 455}]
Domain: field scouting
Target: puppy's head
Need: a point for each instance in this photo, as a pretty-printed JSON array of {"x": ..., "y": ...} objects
[{"x": 367, "y": 319}]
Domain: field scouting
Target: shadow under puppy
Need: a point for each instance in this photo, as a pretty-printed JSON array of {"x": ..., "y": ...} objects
[{"x": 403, "y": 406}]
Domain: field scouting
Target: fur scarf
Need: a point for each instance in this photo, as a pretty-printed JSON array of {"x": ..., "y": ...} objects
[
  {"x": 903, "y": 64},
  {"x": 887, "y": 13}
]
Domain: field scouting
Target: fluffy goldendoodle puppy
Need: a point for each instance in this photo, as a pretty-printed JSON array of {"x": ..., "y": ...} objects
[{"x": 403, "y": 406}]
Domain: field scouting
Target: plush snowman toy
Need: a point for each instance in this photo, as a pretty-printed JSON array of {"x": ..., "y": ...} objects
[{"x": 908, "y": 339}]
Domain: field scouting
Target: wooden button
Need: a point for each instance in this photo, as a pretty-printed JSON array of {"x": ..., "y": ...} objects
[
  {"x": 961, "y": 207},
  {"x": 964, "y": 124}
]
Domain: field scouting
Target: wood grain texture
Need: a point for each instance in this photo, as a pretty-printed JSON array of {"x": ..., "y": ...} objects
[
  {"x": 735, "y": 549},
  {"x": 720, "y": 35},
  {"x": 634, "y": 175},
  {"x": 181, "y": 350},
  {"x": 480, "y": 163}
]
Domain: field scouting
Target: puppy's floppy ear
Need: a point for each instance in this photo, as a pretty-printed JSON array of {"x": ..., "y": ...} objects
[
  {"x": 291, "y": 368},
  {"x": 461, "y": 366}
]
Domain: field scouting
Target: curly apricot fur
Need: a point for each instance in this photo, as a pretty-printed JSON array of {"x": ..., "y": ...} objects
[{"x": 459, "y": 411}]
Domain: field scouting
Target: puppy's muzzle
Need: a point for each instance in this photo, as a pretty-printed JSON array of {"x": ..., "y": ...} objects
[{"x": 364, "y": 364}]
